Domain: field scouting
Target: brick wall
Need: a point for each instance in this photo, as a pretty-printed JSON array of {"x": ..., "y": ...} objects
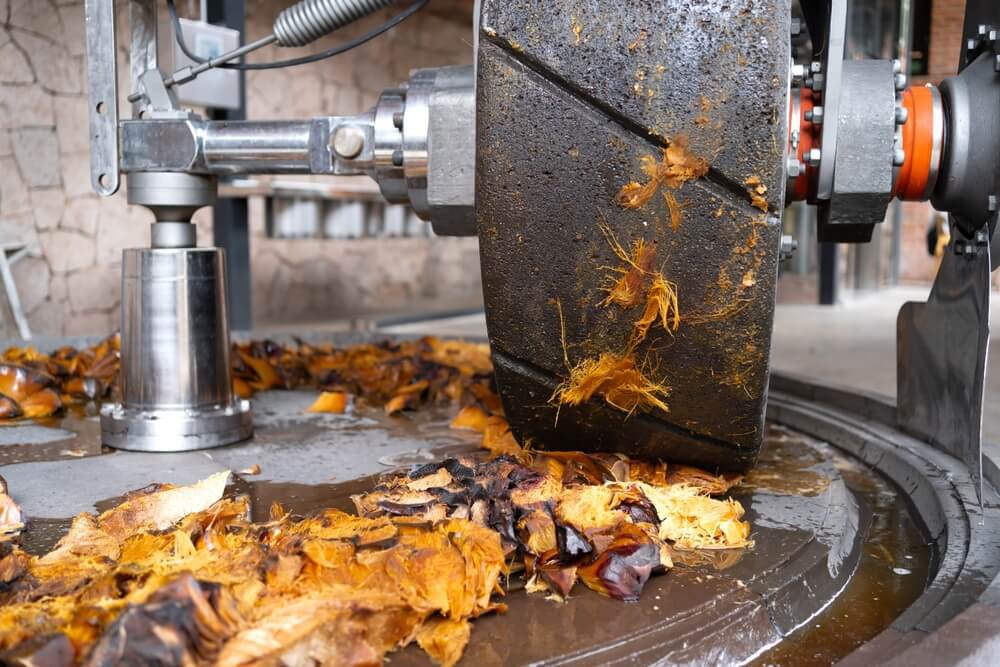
[
  {"x": 946, "y": 37},
  {"x": 945, "y": 44},
  {"x": 70, "y": 284}
]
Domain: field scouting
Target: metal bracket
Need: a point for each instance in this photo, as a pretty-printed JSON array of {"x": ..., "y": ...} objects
[
  {"x": 102, "y": 83},
  {"x": 833, "y": 75},
  {"x": 941, "y": 349}
]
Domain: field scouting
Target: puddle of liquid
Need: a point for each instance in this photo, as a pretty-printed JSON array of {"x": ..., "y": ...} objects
[
  {"x": 80, "y": 436},
  {"x": 786, "y": 467},
  {"x": 878, "y": 592}
]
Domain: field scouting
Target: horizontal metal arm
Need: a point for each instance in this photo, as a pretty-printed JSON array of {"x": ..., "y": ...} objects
[
  {"x": 418, "y": 143},
  {"x": 245, "y": 147}
]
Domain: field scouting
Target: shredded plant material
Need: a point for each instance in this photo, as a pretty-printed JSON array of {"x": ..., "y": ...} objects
[
  {"x": 661, "y": 306},
  {"x": 615, "y": 376},
  {"x": 638, "y": 279},
  {"x": 35, "y": 385},
  {"x": 625, "y": 290},
  {"x": 330, "y": 401},
  {"x": 676, "y": 167},
  {"x": 756, "y": 190},
  {"x": 605, "y": 520},
  {"x": 617, "y": 379},
  {"x": 676, "y": 210},
  {"x": 398, "y": 376},
  {"x": 179, "y": 575},
  {"x": 182, "y": 575},
  {"x": 11, "y": 517}
]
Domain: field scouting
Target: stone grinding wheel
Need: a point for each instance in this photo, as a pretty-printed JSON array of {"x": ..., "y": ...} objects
[{"x": 571, "y": 95}]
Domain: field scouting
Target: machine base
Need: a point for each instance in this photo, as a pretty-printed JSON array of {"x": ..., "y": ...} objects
[{"x": 175, "y": 430}]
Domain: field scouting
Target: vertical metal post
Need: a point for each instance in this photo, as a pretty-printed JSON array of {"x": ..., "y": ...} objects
[
  {"x": 143, "y": 49},
  {"x": 903, "y": 53},
  {"x": 827, "y": 274},
  {"x": 230, "y": 224},
  {"x": 102, "y": 89}
]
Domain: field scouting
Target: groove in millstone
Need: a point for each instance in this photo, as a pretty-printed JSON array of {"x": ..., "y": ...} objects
[{"x": 714, "y": 175}]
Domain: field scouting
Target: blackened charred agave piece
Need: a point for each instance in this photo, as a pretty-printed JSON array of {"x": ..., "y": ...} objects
[{"x": 567, "y": 516}]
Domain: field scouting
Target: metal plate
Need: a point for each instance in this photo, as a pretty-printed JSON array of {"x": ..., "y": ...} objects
[
  {"x": 571, "y": 96},
  {"x": 941, "y": 357},
  {"x": 102, "y": 85}
]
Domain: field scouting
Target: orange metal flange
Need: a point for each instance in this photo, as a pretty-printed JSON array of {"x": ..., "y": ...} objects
[
  {"x": 801, "y": 104},
  {"x": 923, "y": 139}
]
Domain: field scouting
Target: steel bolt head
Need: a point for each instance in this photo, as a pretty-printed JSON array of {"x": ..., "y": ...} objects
[
  {"x": 996, "y": 63},
  {"x": 902, "y": 115},
  {"x": 788, "y": 245},
  {"x": 817, "y": 115},
  {"x": 815, "y": 155},
  {"x": 897, "y": 66},
  {"x": 817, "y": 81},
  {"x": 348, "y": 141},
  {"x": 793, "y": 167},
  {"x": 815, "y": 66},
  {"x": 898, "y": 157},
  {"x": 798, "y": 73},
  {"x": 991, "y": 203},
  {"x": 796, "y": 26}
]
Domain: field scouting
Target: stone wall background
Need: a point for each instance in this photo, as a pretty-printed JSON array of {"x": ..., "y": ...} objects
[{"x": 70, "y": 283}]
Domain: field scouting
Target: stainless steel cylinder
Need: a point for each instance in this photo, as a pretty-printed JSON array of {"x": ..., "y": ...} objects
[
  {"x": 176, "y": 384},
  {"x": 272, "y": 147}
]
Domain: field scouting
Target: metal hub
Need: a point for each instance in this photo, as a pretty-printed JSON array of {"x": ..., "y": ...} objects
[
  {"x": 173, "y": 430},
  {"x": 176, "y": 377}
]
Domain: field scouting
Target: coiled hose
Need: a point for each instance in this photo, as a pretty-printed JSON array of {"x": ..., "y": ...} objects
[{"x": 308, "y": 20}]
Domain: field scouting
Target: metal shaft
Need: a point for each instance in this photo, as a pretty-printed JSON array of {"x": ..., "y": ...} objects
[{"x": 258, "y": 147}]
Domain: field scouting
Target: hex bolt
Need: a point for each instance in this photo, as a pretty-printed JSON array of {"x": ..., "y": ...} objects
[
  {"x": 348, "y": 141},
  {"x": 788, "y": 246},
  {"x": 798, "y": 73},
  {"x": 815, "y": 155},
  {"x": 793, "y": 167},
  {"x": 796, "y": 26},
  {"x": 897, "y": 66},
  {"x": 397, "y": 158},
  {"x": 815, "y": 66},
  {"x": 898, "y": 157},
  {"x": 899, "y": 81},
  {"x": 817, "y": 81},
  {"x": 397, "y": 120},
  {"x": 902, "y": 115},
  {"x": 982, "y": 29},
  {"x": 815, "y": 115}
]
